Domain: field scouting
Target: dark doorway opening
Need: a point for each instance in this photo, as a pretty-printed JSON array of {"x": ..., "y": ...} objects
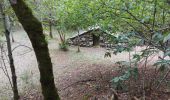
[{"x": 96, "y": 40}]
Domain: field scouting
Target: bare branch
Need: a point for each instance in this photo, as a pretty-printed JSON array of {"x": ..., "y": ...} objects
[
  {"x": 4, "y": 69},
  {"x": 22, "y": 46}
]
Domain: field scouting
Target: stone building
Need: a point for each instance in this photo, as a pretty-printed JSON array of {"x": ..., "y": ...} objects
[{"x": 94, "y": 37}]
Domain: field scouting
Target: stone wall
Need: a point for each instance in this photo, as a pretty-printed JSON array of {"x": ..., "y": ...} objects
[{"x": 86, "y": 39}]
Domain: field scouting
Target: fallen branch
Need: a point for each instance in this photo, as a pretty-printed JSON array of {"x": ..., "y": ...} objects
[{"x": 22, "y": 46}]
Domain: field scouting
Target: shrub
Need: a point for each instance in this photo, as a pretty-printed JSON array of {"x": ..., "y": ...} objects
[{"x": 63, "y": 46}]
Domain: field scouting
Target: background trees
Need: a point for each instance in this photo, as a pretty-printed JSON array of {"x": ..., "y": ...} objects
[{"x": 35, "y": 32}]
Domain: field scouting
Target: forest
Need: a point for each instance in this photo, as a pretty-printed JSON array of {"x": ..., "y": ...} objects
[{"x": 84, "y": 49}]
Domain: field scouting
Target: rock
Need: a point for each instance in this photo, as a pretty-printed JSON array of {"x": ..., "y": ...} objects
[
  {"x": 83, "y": 39},
  {"x": 90, "y": 43},
  {"x": 101, "y": 38}
]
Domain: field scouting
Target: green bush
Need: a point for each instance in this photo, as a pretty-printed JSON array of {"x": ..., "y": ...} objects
[{"x": 63, "y": 46}]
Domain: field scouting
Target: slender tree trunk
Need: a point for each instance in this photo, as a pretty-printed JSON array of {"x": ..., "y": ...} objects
[
  {"x": 50, "y": 26},
  {"x": 11, "y": 23},
  {"x": 78, "y": 49},
  {"x": 11, "y": 60},
  {"x": 10, "y": 27},
  {"x": 12, "y": 37},
  {"x": 34, "y": 29}
]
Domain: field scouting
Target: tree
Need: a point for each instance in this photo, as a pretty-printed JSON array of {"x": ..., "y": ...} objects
[
  {"x": 146, "y": 20},
  {"x": 48, "y": 11},
  {"x": 10, "y": 56},
  {"x": 11, "y": 19},
  {"x": 45, "y": 11},
  {"x": 73, "y": 15},
  {"x": 33, "y": 27}
]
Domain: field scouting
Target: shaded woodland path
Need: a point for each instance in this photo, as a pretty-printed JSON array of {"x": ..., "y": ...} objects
[{"x": 69, "y": 68}]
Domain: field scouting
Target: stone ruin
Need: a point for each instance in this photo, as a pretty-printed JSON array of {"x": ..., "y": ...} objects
[{"x": 94, "y": 37}]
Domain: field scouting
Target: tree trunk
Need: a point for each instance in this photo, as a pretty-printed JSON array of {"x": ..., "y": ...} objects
[
  {"x": 50, "y": 26},
  {"x": 34, "y": 29},
  {"x": 11, "y": 25},
  {"x": 78, "y": 48},
  {"x": 12, "y": 37},
  {"x": 11, "y": 60},
  {"x": 9, "y": 21}
]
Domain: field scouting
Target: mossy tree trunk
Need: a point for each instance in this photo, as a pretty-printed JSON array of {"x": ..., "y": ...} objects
[{"x": 34, "y": 29}]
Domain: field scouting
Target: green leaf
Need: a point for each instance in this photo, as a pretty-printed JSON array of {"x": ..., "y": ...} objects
[
  {"x": 137, "y": 57},
  {"x": 115, "y": 80},
  {"x": 167, "y": 53},
  {"x": 135, "y": 72},
  {"x": 162, "y": 62},
  {"x": 162, "y": 68},
  {"x": 166, "y": 38},
  {"x": 157, "y": 37}
]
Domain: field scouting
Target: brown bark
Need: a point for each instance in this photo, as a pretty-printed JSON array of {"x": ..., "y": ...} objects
[{"x": 33, "y": 27}]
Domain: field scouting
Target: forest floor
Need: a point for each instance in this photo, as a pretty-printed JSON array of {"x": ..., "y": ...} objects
[{"x": 78, "y": 76}]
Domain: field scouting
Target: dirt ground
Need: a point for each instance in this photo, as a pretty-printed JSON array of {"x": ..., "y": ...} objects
[{"x": 78, "y": 76}]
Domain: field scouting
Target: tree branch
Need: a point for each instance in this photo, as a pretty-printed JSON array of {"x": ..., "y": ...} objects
[{"x": 136, "y": 18}]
